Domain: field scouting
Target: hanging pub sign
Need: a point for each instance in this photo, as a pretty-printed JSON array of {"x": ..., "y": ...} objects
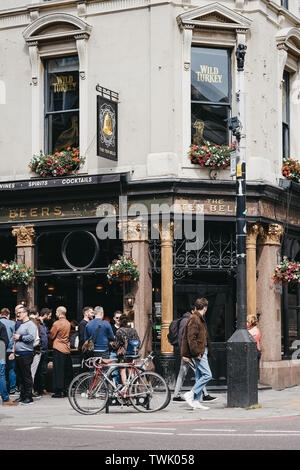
[{"x": 107, "y": 123}]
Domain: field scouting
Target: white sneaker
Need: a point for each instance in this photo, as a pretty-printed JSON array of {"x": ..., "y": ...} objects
[
  {"x": 189, "y": 397},
  {"x": 197, "y": 406}
]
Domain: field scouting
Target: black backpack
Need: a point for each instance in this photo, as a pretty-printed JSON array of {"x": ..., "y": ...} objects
[{"x": 173, "y": 332}]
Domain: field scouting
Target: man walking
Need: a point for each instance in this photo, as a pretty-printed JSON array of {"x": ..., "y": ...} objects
[
  {"x": 10, "y": 363},
  {"x": 184, "y": 366},
  {"x": 196, "y": 345},
  {"x": 101, "y": 333},
  {"x": 24, "y": 337},
  {"x": 62, "y": 363}
]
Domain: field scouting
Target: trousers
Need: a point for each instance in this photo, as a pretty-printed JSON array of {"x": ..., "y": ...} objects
[
  {"x": 184, "y": 368},
  {"x": 23, "y": 370},
  {"x": 203, "y": 375},
  {"x": 62, "y": 371}
]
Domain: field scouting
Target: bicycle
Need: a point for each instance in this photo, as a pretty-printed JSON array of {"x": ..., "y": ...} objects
[{"x": 90, "y": 392}]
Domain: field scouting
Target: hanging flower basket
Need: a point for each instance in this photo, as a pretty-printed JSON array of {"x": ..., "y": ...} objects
[
  {"x": 15, "y": 274},
  {"x": 58, "y": 164},
  {"x": 211, "y": 156},
  {"x": 123, "y": 269},
  {"x": 291, "y": 169},
  {"x": 287, "y": 272}
]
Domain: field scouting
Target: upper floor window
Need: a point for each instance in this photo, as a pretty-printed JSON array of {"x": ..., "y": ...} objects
[
  {"x": 61, "y": 104},
  {"x": 210, "y": 95},
  {"x": 286, "y": 115},
  {"x": 285, "y": 4}
]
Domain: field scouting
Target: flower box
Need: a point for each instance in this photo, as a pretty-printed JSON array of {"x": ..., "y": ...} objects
[
  {"x": 13, "y": 273},
  {"x": 123, "y": 269},
  {"x": 287, "y": 272},
  {"x": 291, "y": 169},
  {"x": 211, "y": 156},
  {"x": 58, "y": 164}
]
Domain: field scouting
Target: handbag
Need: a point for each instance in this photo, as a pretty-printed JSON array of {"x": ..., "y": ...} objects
[{"x": 89, "y": 345}]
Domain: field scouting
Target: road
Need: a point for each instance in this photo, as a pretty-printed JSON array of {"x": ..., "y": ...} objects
[{"x": 254, "y": 434}]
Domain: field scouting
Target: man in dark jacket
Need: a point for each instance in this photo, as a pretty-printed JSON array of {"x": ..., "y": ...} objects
[
  {"x": 184, "y": 366},
  {"x": 4, "y": 341},
  {"x": 196, "y": 345}
]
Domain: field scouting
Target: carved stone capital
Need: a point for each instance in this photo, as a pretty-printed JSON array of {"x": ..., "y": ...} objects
[
  {"x": 166, "y": 231},
  {"x": 252, "y": 234},
  {"x": 134, "y": 230},
  {"x": 25, "y": 235},
  {"x": 271, "y": 234}
]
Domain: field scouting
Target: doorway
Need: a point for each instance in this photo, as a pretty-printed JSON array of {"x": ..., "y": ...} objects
[{"x": 220, "y": 320}]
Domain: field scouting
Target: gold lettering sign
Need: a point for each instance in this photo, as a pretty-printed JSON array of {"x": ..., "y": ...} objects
[
  {"x": 64, "y": 83},
  {"x": 209, "y": 74}
]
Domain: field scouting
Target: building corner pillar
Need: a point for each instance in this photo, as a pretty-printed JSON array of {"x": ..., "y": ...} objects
[
  {"x": 25, "y": 235},
  {"x": 268, "y": 297},
  {"x": 252, "y": 234},
  {"x": 136, "y": 244}
]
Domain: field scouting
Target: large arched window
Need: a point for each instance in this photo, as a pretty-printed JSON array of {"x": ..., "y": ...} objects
[{"x": 57, "y": 46}]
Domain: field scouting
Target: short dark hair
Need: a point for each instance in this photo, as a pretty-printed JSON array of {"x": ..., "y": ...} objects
[
  {"x": 45, "y": 311},
  {"x": 118, "y": 312},
  {"x": 123, "y": 320},
  {"x": 85, "y": 309},
  {"x": 200, "y": 304},
  {"x": 5, "y": 312}
]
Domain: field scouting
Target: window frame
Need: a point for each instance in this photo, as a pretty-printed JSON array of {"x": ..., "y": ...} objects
[
  {"x": 286, "y": 125},
  {"x": 230, "y": 84},
  {"x": 47, "y": 113}
]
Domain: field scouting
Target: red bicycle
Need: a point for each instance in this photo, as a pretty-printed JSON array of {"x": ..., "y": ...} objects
[{"x": 90, "y": 392}]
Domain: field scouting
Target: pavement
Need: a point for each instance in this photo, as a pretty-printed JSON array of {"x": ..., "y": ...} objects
[{"x": 48, "y": 411}]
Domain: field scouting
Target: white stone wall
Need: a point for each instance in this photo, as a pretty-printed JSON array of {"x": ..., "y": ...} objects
[{"x": 137, "y": 49}]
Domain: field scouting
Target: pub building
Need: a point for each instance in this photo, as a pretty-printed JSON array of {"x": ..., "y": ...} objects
[{"x": 74, "y": 76}]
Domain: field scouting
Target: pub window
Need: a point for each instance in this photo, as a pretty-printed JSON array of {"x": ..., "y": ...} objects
[
  {"x": 286, "y": 115},
  {"x": 61, "y": 104},
  {"x": 210, "y": 95}
]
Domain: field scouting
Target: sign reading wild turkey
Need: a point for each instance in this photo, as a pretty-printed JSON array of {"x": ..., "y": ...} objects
[{"x": 107, "y": 124}]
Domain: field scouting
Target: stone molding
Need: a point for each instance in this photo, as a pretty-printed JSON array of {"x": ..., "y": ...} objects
[
  {"x": 270, "y": 235},
  {"x": 134, "y": 230},
  {"x": 25, "y": 235},
  {"x": 214, "y": 16}
]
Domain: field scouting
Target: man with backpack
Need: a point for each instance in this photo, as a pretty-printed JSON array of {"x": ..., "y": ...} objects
[{"x": 175, "y": 338}]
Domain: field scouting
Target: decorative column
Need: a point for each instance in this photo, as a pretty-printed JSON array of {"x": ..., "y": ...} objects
[
  {"x": 252, "y": 233},
  {"x": 268, "y": 294},
  {"x": 136, "y": 244},
  {"x": 25, "y": 251},
  {"x": 167, "y": 359}
]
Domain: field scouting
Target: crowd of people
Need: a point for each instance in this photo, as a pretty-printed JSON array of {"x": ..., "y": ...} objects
[
  {"x": 29, "y": 338},
  {"x": 33, "y": 334}
]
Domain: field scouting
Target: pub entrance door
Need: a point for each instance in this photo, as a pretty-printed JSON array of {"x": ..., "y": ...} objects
[{"x": 220, "y": 319}]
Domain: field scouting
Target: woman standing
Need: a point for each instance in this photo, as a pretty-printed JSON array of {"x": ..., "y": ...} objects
[
  {"x": 252, "y": 325},
  {"x": 127, "y": 342}
]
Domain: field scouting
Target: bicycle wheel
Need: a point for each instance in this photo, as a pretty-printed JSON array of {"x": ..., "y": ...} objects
[
  {"x": 72, "y": 387},
  {"x": 149, "y": 392},
  {"x": 90, "y": 395}
]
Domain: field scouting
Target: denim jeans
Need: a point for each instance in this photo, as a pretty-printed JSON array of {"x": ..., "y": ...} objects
[
  {"x": 3, "y": 389},
  {"x": 10, "y": 373},
  {"x": 203, "y": 375},
  {"x": 184, "y": 368}
]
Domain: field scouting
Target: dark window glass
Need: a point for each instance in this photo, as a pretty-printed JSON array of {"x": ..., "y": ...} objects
[
  {"x": 209, "y": 124},
  {"x": 209, "y": 76},
  {"x": 61, "y": 104},
  {"x": 286, "y": 115},
  {"x": 285, "y": 4},
  {"x": 210, "y": 95}
]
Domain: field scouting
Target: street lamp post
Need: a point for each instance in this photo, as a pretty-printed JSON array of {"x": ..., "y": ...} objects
[{"x": 242, "y": 364}]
